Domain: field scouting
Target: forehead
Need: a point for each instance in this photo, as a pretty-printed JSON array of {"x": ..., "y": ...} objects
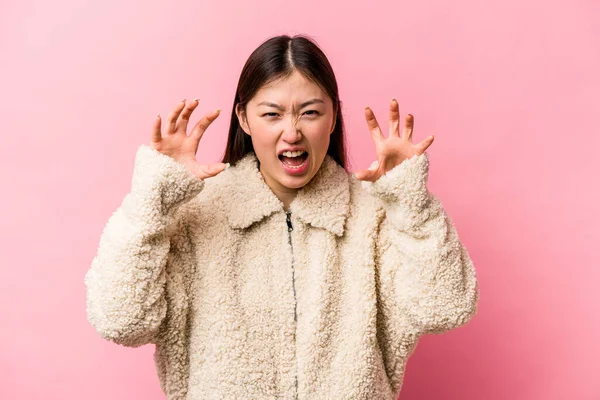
[{"x": 293, "y": 89}]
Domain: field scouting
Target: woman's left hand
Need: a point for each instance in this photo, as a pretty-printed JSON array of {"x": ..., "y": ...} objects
[{"x": 394, "y": 149}]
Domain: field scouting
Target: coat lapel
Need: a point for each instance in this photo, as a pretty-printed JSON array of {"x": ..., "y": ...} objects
[{"x": 322, "y": 203}]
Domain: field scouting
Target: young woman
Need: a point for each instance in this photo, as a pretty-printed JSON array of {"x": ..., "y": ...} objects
[{"x": 282, "y": 276}]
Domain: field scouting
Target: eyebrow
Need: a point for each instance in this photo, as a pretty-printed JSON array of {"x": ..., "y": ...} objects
[{"x": 281, "y": 108}]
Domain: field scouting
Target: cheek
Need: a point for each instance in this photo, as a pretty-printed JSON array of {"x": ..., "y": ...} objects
[
  {"x": 263, "y": 135},
  {"x": 318, "y": 135},
  {"x": 264, "y": 143}
]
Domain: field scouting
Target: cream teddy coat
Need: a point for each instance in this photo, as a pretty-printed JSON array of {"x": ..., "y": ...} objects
[{"x": 244, "y": 300}]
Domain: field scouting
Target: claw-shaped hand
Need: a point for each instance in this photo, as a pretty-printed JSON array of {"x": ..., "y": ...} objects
[{"x": 394, "y": 149}]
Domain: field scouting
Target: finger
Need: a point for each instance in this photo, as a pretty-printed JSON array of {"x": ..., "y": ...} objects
[
  {"x": 367, "y": 175},
  {"x": 207, "y": 171},
  {"x": 156, "y": 136},
  {"x": 424, "y": 145},
  {"x": 172, "y": 119},
  {"x": 215, "y": 169},
  {"x": 407, "y": 130},
  {"x": 373, "y": 125},
  {"x": 184, "y": 117},
  {"x": 203, "y": 124},
  {"x": 394, "y": 118}
]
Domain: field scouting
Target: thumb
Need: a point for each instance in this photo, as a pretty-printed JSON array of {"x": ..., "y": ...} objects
[
  {"x": 370, "y": 174},
  {"x": 212, "y": 169},
  {"x": 366, "y": 175}
]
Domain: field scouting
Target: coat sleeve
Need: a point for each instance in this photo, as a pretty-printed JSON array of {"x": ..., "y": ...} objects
[
  {"x": 126, "y": 281},
  {"x": 424, "y": 269}
]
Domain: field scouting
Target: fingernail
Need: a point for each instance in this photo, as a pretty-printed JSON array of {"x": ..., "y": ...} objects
[
  {"x": 196, "y": 99},
  {"x": 353, "y": 176},
  {"x": 218, "y": 110},
  {"x": 158, "y": 115},
  {"x": 227, "y": 165},
  {"x": 394, "y": 99}
]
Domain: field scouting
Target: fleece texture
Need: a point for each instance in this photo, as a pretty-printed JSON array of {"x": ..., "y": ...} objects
[{"x": 243, "y": 304}]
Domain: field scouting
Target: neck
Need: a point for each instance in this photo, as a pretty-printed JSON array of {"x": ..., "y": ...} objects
[{"x": 284, "y": 194}]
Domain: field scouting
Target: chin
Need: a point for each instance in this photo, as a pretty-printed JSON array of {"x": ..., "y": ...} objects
[{"x": 295, "y": 182}]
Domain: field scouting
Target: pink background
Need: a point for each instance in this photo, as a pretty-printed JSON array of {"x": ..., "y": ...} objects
[{"x": 509, "y": 88}]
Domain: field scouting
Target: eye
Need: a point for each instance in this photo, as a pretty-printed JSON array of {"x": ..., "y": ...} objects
[
  {"x": 313, "y": 111},
  {"x": 270, "y": 114}
]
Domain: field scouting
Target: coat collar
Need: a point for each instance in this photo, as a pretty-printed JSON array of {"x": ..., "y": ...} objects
[{"x": 322, "y": 203}]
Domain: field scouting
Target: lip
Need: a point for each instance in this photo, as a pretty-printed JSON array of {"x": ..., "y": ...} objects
[
  {"x": 296, "y": 171},
  {"x": 291, "y": 149}
]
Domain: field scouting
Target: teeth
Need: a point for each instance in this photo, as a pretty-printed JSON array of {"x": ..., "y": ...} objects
[
  {"x": 293, "y": 153},
  {"x": 295, "y": 166}
]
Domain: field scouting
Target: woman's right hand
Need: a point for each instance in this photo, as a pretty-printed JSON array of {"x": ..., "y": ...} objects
[{"x": 176, "y": 144}]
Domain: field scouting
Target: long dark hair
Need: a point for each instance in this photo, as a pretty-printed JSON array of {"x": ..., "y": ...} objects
[{"x": 278, "y": 57}]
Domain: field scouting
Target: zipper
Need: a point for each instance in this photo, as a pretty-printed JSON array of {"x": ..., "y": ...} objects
[{"x": 290, "y": 229}]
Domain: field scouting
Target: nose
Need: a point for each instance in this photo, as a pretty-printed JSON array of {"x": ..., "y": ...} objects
[{"x": 291, "y": 132}]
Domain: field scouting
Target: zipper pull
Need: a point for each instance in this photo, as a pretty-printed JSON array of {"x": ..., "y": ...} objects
[{"x": 288, "y": 220}]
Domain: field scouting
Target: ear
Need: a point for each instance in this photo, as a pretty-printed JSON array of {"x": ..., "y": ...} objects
[
  {"x": 334, "y": 121},
  {"x": 335, "y": 113},
  {"x": 242, "y": 119}
]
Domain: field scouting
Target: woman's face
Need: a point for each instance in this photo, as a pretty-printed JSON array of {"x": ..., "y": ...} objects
[{"x": 291, "y": 114}]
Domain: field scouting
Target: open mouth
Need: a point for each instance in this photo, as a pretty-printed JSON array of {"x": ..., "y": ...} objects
[{"x": 294, "y": 159}]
